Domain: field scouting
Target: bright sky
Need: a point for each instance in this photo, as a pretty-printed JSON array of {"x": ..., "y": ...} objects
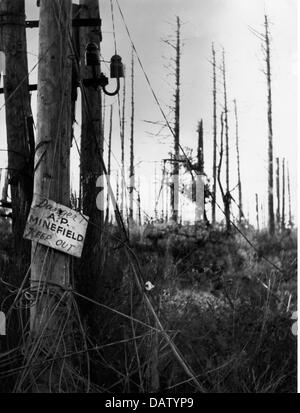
[{"x": 226, "y": 23}]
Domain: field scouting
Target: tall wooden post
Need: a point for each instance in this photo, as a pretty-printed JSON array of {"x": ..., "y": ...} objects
[
  {"x": 283, "y": 196},
  {"x": 155, "y": 192},
  {"x": 123, "y": 206},
  {"x": 20, "y": 140},
  {"x": 238, "y": 162},
  {"x": 199, "y": 185},
  {"x": 131, "y": 172},
  {"x": 270, "y": 132},
  {"x": 227, "y": 192},
  {"x": 175, "y": 177},
  {"x": 139, "y": 203},
  {"x": 214, "y": 191},
  {"x": 52, "y": 157},
  {"x": 278, "y": 223},
  {"x": 90, "y": 165},
  {"x": 163, "y": 195},
  {"x": 289, "y": 197},
  {"x": 109, "y": 159},
  {"x": 257, "y": 211}
]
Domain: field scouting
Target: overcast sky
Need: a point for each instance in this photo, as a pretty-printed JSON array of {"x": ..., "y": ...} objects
[{"x": 226, "y": 23}]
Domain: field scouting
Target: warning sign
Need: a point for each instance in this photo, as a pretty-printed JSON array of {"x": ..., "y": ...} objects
[{"x": 56, "y": 226}]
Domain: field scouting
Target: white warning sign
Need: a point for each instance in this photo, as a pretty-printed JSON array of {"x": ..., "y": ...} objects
[{"x": 56, "y": 226}]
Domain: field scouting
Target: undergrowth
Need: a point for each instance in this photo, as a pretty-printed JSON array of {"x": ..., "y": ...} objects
[{"x": 221, "y": 302}]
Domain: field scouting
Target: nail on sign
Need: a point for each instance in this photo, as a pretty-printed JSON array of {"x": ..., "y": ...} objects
[{"x": 56, "y": 226}]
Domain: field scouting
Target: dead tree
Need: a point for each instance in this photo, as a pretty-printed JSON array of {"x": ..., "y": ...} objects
[
  {"x": 139, "y": 203},
  {"x": 174, "y": 187},
  {"x": 227, "y": 194},
  {"x": 214, "y": 190},
  {"x": 223, "y": 193},
  {"x": 240, "y": 205},
  {"x": 283, "y": 196},
  {"x": 123, "y": 152},
  {"x": 200, "y": 149},
  {"x": 270, "y": 130},
  {"x": 131, "y": 172},
  {"x": 278, "y": 223},
  {"x": 289, "y": 198},
  {"x": 199, "y": 186},
  {"x": 257, "y": 211},
  {"x": 117, "y": 189},
  {"x": 19, "y": 121},
  {"x": 163, "y": 193}
]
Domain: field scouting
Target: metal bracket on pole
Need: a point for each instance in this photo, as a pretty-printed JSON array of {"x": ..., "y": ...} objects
[
  {"x": 31, "y": 88},
  {"x": 30, "y": 24}
]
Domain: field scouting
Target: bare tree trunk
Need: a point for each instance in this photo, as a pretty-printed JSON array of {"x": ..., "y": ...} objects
[
  {"x": 199, "y": 190},
  {"x": 270, "y": 129},
  {"x": 139, "y": 204},
  {"x": 123, "y": 152},
  {"x": 4, "y": 195},
  {"x": 131, "y": 174},
  {"x": 117, "y": 189},
  {"x": 289, "y": 195},
  {"x": 223, "y": 193},
  {"x": 214, "y": 192},
  {"x": 155, "y": 193},
  {"x": 227, "y": 195},
  {"x": 163, "y": 195},
  {"x": 200, "y": 150},
  {"x": 278, "y": 223},
  {"x": 20, "y": 139},
  {"x": 257, "y": 211},
  {"x": 241, "y": 215},
  {"x": 283, "y": 196},
  {"x": 175, "y": 180},
  {"x": 167, "y": 196}
]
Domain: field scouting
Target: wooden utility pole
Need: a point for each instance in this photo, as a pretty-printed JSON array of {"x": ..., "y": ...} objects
[
  {"x": 20, "y": 139},
  {"x": 131, "y": 172},
  {"x": 283, "y": 196},
  {"x": 289, "y": 195},
  {"x": 227, "y": 193},
  {"x": 199, "y": 189},
  {"x": 123, "y": 152},
  {"x": 278, "y": 223},
  {"x": 167, "y": 196},
  {"x": 214, "y": 192},
  {"x": 163, "y": 194},
  {"x": 270, "y": 131},
  {"x": 155, "y": 193},
  {"x": 109, "y": 159},
  {"x": 52, "y": 157},
  {"x": 4, "y": 194},
  {"x": 175, "y": 173},
  {"x": 200, "y": 149},
  {"x": 117, "y": 189},
  {"x": 90, "y": 165},
  {"x": 238, "y": 163},
  {"x": 139, "y": 203},
  {"x": 257, "y": 211}
]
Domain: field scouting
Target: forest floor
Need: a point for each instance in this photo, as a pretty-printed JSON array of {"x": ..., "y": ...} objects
[{"x": 225, "y": 303}]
